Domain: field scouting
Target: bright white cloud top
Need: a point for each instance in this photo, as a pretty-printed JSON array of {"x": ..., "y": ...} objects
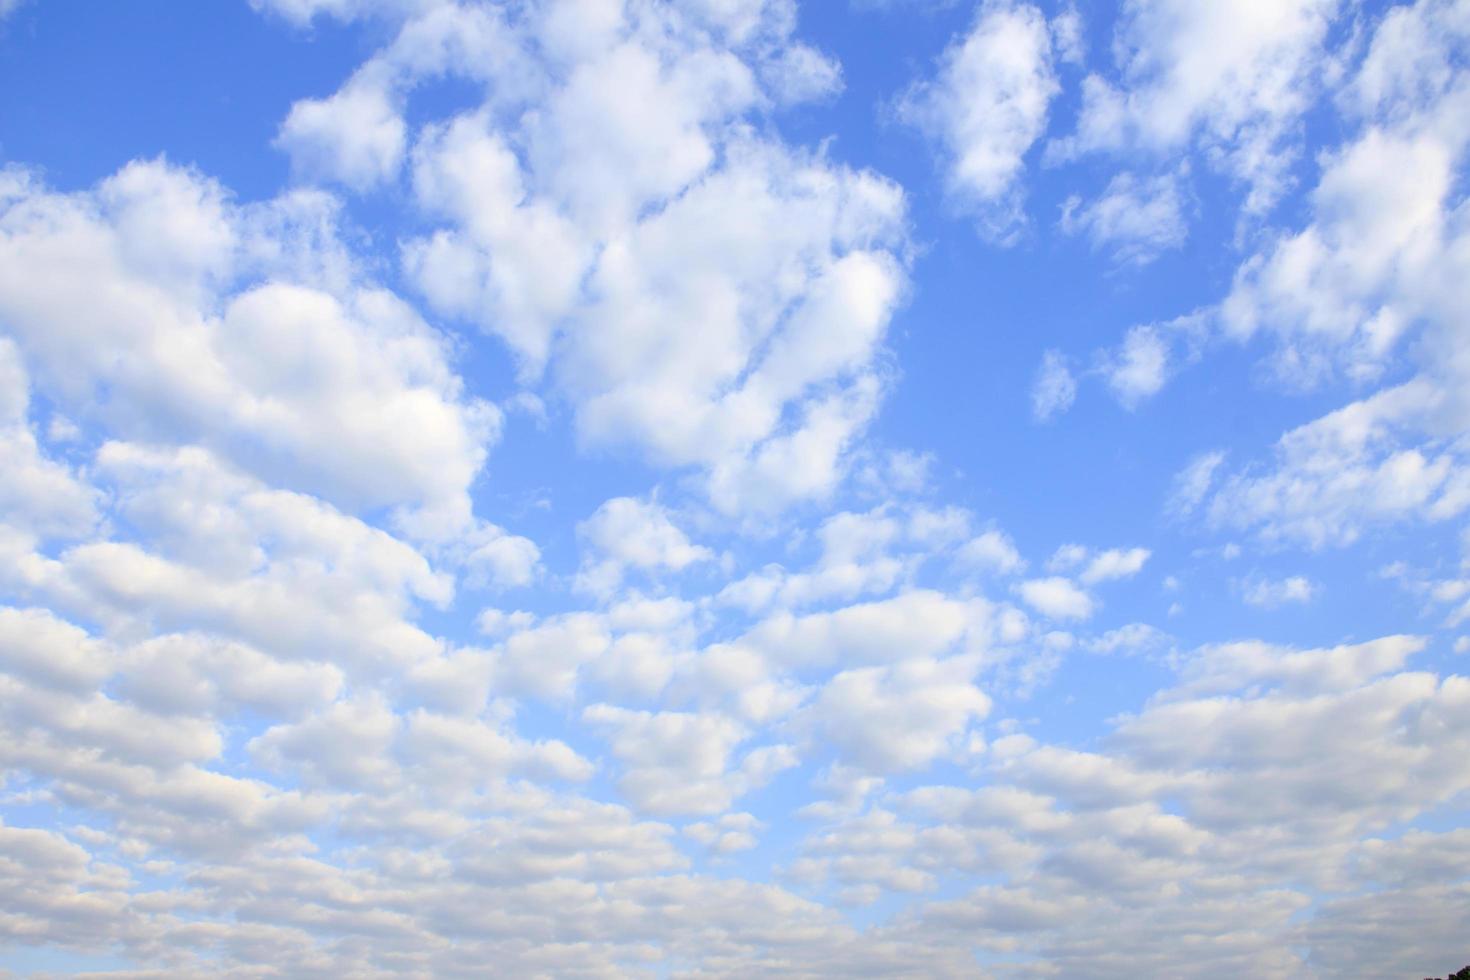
[{"x": 708, "y": 488}]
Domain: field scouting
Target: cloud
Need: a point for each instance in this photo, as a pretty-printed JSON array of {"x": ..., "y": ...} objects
[
  {"x": 1114, "y": 563},
  {"x": 1268, "y": 593},
  {"x": 1054, "y": 389},
  {"x": 356, "y": 136},
  {"x": 1140, "y": 367},
  {"x": 888, "y": 719},
  {"x": 680, "y": 762},
  {"x": 1192, "y": 484},
  {"x": 1364, "y": 290},
  {"x": 38, "y": 492},
  {"x": 1347, "y": 471},
  {"x": 1137, "y": 219},
  {"x": 246, "y": 526},
  {"x": 626, "y": 533},
  {"x": 1057, "y": 597},
  {"x": 339, "y": 391},
  {"x": 1133, "y": 639},
  {"x": 589, "y": 233},
  {"x": 985, "y": 108},
  {"x": 1230, "y": 83},
  {"x": 991, "y": 551}
]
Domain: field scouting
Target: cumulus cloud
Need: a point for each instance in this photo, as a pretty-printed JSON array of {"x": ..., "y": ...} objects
[
  {"x": 1054, "y": 389},
  {"x": 249, "y": 516},
  {"x": 589, "y": 233},
  {"x": 1232, "y": 83},
  {"x": 887, "y": 719},
  {"x": 355, "y": 136},
  {"x": 986, "y": 107},
  {"x": 1136, "y": 219},
  {"x": 991, "y": 551},
  {"x": 627, "y": 533},
  {"x": 1114, "y": 563},
  {"x": 1057, "y": 597},
  {"x": 1139, "y": 368},
  {"x": 342, "y": 392},
  {"x": 1341, "y": 296},
  {"x": 1270, "y": 593},
  {"x": 678, "y": 762}
]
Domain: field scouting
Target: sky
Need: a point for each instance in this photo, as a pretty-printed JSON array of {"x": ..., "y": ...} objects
[{"x": 731, "y": 488}]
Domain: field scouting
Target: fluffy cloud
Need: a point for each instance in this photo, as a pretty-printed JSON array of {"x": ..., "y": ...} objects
[
  {"x": 993, "y": 551},
  {"x": 590, "y": 231},
  {"x": 134, "y": 289},
  {"x": 1366, "y": 290},
  {"x": 356, "y": 136},
  {"x": 1079, "y": 848},
  {"x": 1114, "y": 563},
  {"x": 626, "y": 533},
  {"x": 245, "y": 524},
  {"x": 1137, "y": 219},
  {"x": 39, "y": 493},
  {"x": 887, "y": 719},
  {"x": 1054, "y": 389},
  {"x": 1057, "y": 597},
  {"x": 987, "y": 106},
  {"x": 1349, "y": 470},
  {"x": 679, "y": 762},
  {"x": 1269, "y": 594},
  {"x": 1231, "y": 82}
]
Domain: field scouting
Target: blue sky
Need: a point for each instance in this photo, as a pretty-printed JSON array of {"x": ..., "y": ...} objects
[{"x": 734, "y": 488}]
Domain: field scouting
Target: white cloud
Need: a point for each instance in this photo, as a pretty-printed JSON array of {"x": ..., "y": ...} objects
[
  {"x": 627, "y": 533},
  {"x": 714, "y": 399},
  {"x": 1098, "y": 566},
  {"x": 862, "y": 554},
  {"x": 1068, "y": 34},
  {"x": 680, "y": 762},
  {"x": 889, "y": 719},
  {"x": 1269, "y": 593},
  {"x": 1230, "y": 81},
  {"x": 514, "y": 265},
  {"x": 38, "y": 493},
  {"x": 302, "y": 12},
  {"x": 355, "y": 136},
  {"x": 544, "y": 660},
  {"x": 1346, "y": 471},
  {"x": 802, "y": 74},
  {"x": 1192, "y": 484},
  {"x": 350, "y": 396},
  {"x": 1114, "y": 563},
  {"x": 1340, "y": 293},
  {"x": 235, "y": 514},
  {"x": 1368, "y": 288},
  {"x": 1054, "y": 389},
  {"x": 731, "y": 833},
  {"x": 1057, "y": 597},
  {"x": 500, "y": 559},
  {"x": 917, "y": 623},
  {"x": 1136, "y": 219},
  {"x": 1134, "y": 639},
  {"x": 200, "y": 674},
  {"x": 992, "y": 551},
  {"x": 44, "y": 650},
  {"x": 1067, "y": 557},
  {"x": 589, "y": 233},
  {"x": 986, "y": 107},
  {"x": 1140, "y": 367}
]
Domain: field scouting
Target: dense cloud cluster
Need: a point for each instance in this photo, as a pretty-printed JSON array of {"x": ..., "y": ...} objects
[{"x": 271, "y": 703}]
